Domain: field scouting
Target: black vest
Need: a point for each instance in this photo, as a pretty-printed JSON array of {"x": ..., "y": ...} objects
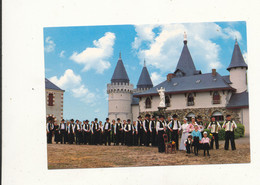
[
  {"x": 109, "y": 125},
  {"x": 147, "y": 124},
  {"x": 153, "y": 125}
]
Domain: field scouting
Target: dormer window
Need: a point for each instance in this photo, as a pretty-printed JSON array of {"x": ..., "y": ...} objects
[
  {"x": 50, "y": 99},
  {"x": 216, "y": 98},
  {"x": 167, "y": 101},
  {"x": 179, "y": 74},
  {"x": 198, "y": 81}
]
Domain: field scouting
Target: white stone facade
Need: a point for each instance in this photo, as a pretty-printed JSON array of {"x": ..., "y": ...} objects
[{"x": 238, "y": 79}]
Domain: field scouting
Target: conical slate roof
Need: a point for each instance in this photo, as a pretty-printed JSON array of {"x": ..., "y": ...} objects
[
  {"x": 50, "y": 85},
  {"x": 185, "y": 63},
  {"x": 120, "y": 74},
  {"x": 144, "y": 79},
  {"x": 237, "y": 58}
]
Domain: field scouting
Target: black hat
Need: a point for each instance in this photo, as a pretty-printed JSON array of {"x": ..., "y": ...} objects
[
  {"x": 96, "y": 119},
  {"x": 228, "y": 115},
  {"x": 199, "y": 117},
  {"x": 72, "y": 120},
  {"x": 87, "y": 120},
  {"x": 77, "y": 120},
  {"x": 107, "y": 118},
  {"x": 161, "y": 116},
  {"x": 139, "y": 117},
  {"x": 128, "y": 120},
  {"x": 212, "y": 117},
  {"x": 62, "y": 120},
  {"x": 147, "y": 115},
  {"x": 118, "y": 119},
  {"x": 175, "y": 116},
  {"x": 153, "y": 116}
]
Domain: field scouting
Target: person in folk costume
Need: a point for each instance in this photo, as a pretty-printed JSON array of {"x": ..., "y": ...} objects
[
  {"x": 214, "y": 127},
  {"x": 96, "y": 131},
  {"x": 175, "y": 126},
  {"x": 56, "y": 133},
  {"x": 192, "y": 124},
  {"x": 78, "y": 132},
  {"x": 66, "y": 137},
  {"x": 49, "y": 129},
  {"x": 118, "y": 130},
  {"x": 160, "y": 130},
  {"x": 169, "y": 119},
  {"x": 135, "y": 136},
  {"x": 123, "y": 136},
  {"x": 71, "y": 131},
  {"x": 62, "y": 131},
  {"x": 107, "y": 130},
  {"x": 205, "y": 142},
  {"x": 188, "y": 144},
  {"x": 184, "y": 135},
  {"x": 86, "y": 132},
  {"x": 196, "y": 138},
  {"x": 139, "y": 125},
  {"x": 229, "y": 126},
  {"x": 128, "y": 129},
  {"x": 200, "y": 124},
  {"x": 101, "y": 133},
  {"x": 92, "y": 133},
  {"x": 152, "y": 129},
  {"x": 147, "y": 134},
  {"x": 113, "y": 126}
]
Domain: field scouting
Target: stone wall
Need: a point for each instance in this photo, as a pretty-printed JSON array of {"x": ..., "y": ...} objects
[{"x": 205, "y": 113}]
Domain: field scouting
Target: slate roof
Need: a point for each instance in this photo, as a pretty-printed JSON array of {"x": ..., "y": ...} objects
[
  {"x": 237, "y": 58},
  {"x": 120, "y": 74},
  {"x": 227, "y": 79},
  {"x": 194, "y": 83},
  {"x": 238, "y": 100},
  {"x": 144, "y": 79},
  {"x": 50, "y": 85},
  {"x": 185, "y": 63},
  {"x": 135, "y": 101}
]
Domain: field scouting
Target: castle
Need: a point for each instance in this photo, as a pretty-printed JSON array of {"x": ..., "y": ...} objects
[{"x": 188, "y": 92}]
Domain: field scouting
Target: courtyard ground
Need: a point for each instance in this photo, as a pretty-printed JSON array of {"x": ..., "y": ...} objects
[{"x": 89, "y": 156}]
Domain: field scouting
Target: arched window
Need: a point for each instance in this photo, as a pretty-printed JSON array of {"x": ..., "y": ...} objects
[
  {"x": 216, "y": 98},
  {"x": 148, "y": 103},
  {"x": 50, "y": 99},
  {"x": 167, "y": 101},
  {"x": 189, "y": 116},
  {"x": 218, "y": 116},
  {"x": 190, "y": 99}
]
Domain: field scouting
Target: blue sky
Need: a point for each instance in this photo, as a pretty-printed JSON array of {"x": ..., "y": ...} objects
[{"x": 81, "y": 60}]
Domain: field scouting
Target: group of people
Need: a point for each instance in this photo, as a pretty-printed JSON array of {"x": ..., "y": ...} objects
[{"x": 148, "y": 132}]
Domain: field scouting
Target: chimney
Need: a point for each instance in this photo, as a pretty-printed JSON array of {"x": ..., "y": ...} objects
[
  {"x": 214, "y": 72},
  {"x": 170, "y": 76}
]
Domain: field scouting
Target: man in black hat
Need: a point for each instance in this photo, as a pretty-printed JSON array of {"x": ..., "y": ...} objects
[
  {"x": 139, "y": 133},
  {"x": 86, "y": 132},
  {"x": 96, "y": 130},
  {"x": 63, "y": 130},
  {"x": 229, "y": 126},
  {"x": 146, "y": 124},
  {"x": 128, "y": 128},
  {"x": 152, "y": 129},
  {"x": 49, "y": 129},
  {"x": 78, "y": 132},
  {"x": 160, "y": 130},
  {"x": 107, "y": 130},
  {"x": 175, "y": 127},
  {"x": 118, "y": 132},
  {"x": 214, "y": 127},
  {"x": 71, "y": 131}
]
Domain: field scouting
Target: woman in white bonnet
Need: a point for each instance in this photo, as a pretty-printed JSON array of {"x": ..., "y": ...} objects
[{"x": 185, "y": 133}]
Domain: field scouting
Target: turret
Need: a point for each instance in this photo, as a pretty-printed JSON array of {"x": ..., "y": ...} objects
[
  {"x": 238, "y": 69},
  {"x": 144, "y": 82}
]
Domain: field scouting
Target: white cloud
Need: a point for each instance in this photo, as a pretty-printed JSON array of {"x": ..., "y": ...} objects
[
  {"x": 164, "y": 48},
  {"x": 62, "y": 54},
  {"x": 156, "y": 78},
  {"x": 67, "y": 81},
  {"x": 50, "y": 45},
  {"x": 245, "y": 57},
  {"x": 96, "y": 57},
  {"x": 72, "y": 84}
]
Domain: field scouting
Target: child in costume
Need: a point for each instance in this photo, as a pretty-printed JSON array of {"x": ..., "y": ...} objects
[
  {"x": 188, "y": 143},
  {"x": 205, "y": 141}
]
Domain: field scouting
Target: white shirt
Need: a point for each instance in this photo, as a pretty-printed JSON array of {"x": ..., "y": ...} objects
[
  {"x": 228, "y": 125},
  {"x": 106, "y": 125},
  {"x": 175, "y": 125},
  {"x": 185, "y": 127},
  {"x": 158, "y": 128},
  {"x": 214, "y": 127}
]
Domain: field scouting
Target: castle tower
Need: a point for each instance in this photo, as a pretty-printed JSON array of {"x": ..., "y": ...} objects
[
  {"x": 237, "y": 70},
  {"x": 144, "y": 82},
  {"x": 120, "y": 94}
]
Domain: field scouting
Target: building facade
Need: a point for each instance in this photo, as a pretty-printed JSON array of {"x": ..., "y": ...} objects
[
  {"x": 54, "y": 101},
  {"x": 188, "y": 92}
]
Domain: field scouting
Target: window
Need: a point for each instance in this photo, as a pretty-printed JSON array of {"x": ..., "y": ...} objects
[
  {"x": 148, "y": 103},
  {"x": 216, "y": 98},
  {"x": 50, "y": 99},
  {"x": 190, "y": 100},
  {"x": 218, "y": 116},
  {"x": 167, "y": 101}
]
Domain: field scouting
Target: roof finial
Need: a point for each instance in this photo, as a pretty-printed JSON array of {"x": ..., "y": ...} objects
[
  {"x": 185, "y": 38},
  {"x": 120, "y": 55},
  {"x": 144, "y": 63},
  {"x": 236, "y": 40}
]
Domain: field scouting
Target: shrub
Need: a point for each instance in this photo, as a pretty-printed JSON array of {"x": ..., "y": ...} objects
[{"x": 240, "y": 130}]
